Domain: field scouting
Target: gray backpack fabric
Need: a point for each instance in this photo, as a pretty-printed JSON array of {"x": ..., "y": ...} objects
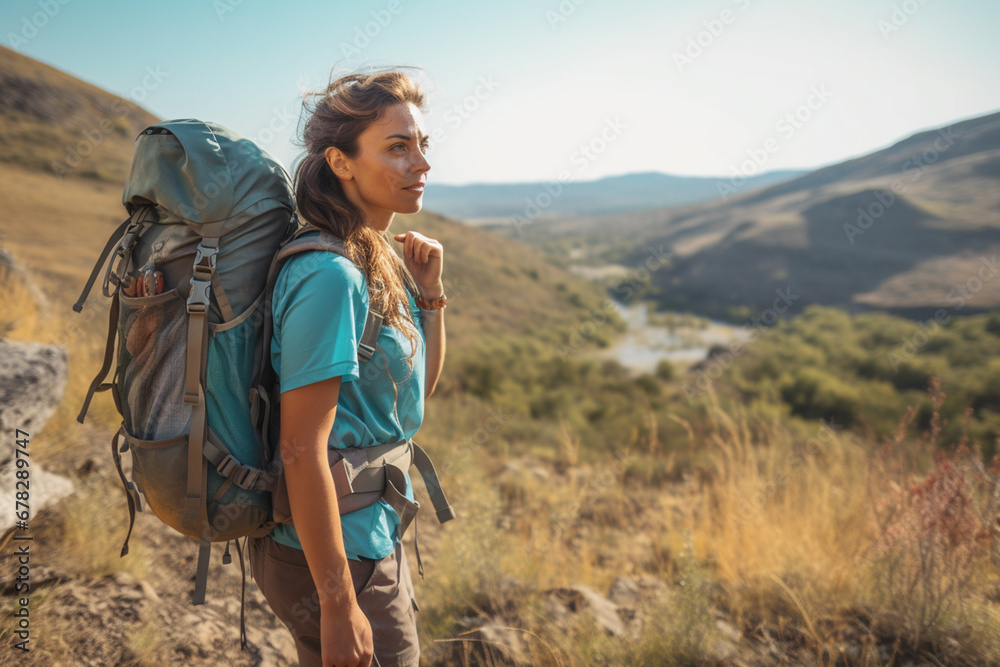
[{"x": 193, "y": 380}]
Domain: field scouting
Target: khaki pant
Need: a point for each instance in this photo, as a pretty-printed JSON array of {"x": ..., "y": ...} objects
[{"x": 383, "y": 589}]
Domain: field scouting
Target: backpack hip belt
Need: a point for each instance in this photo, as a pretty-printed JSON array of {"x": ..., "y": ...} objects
[
  {"x": 361, "y": 475},
  {"x": 365, "y": 475}
]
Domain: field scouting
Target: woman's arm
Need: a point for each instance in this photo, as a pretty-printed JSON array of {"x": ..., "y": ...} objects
[
  {"x": 424, "y": 259},
  {"x": 432, "y": 322},
  {"x": 307, "y": 415}
]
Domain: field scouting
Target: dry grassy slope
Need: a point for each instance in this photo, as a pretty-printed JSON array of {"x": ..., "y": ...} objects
[
  {"x": 57, "y": 226},
  {"x": 57, "y": 229},
  {"x": 55, "y": 123},
  {"x": 942, "y": 219}
]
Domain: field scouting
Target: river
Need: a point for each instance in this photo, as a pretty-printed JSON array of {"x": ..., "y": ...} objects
[{"x": 680, "y": 338}]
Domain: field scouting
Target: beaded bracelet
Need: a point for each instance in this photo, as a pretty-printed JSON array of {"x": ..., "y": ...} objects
[{"x": 431, "y": 304}]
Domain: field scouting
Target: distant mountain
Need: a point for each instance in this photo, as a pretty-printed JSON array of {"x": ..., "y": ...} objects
[
  {"x": 908, "y": 229},
  {"x": 480, "y": 203}
]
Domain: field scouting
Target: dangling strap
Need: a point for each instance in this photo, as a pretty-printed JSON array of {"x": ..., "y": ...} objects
[
  {"x": 109, "y": 351},
  {"x": 116, "y": 455},
  {"x": 201, "y": 576},
  {"x": 405, "y": 508},
  {"x": 416, "y": 548},
  {"x": 112, "y": 242},
  {"x": 399, "y": 568},
  {"x": 243, "y": 596},
  {"x": 429, "y": 473}
]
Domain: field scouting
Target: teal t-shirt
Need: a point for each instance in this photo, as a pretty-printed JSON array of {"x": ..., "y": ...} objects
[{"x": 319, "y": 309}]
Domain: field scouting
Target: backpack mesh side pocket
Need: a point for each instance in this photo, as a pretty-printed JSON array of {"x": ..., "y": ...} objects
[{"x": 151, "y": 351}]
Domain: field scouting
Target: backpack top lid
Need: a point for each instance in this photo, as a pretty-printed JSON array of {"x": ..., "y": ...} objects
[{"x": 203, "y": 172}]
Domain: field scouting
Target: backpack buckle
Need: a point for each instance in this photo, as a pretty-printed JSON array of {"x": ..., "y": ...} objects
[
  {"x": 197, "y": 301},
  {"x": 227, "y": 465},
  {"x": 205, "y": 258},
  {"x": 247, "y": 478}
]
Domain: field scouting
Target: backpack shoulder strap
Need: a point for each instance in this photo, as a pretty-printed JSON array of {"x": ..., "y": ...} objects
[{"x": 298, "y": 243}]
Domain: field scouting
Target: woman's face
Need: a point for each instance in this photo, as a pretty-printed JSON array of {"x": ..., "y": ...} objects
[{"x": 389, "y": 163}]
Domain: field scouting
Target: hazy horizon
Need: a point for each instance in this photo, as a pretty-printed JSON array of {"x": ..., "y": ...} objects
[{"x": 656, "y": 87}]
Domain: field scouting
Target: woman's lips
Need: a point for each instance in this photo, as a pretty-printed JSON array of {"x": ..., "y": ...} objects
[{"x": 416, "y": 188}]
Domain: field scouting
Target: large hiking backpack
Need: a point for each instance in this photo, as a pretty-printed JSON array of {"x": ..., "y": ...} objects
[{"x": 193, "y": 380}]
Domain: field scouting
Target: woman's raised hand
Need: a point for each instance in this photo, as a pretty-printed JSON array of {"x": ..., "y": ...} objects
[{"x": 424, "y": 259}]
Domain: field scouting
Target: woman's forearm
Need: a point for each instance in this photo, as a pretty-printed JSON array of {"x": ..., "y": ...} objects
[
  {"x": 306, "y": 421},
  {"x": 312, "y": 497},
  {"x": 433, "y": 325}
]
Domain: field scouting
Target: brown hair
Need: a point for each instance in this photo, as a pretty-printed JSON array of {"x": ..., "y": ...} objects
[{"x": 338, "y": 117}]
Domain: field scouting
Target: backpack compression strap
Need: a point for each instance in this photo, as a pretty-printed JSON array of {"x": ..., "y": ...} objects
[
  {"x": 124, "y": 238},
  {"x": 196, "y": 500},
  {"x": 121, "y": 241}
]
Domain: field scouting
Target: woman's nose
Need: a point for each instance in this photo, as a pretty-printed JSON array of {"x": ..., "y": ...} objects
[{"x": 422, "y": 164}]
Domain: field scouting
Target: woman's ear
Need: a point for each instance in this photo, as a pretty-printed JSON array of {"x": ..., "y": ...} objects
[{"x": 337, "y": 161}]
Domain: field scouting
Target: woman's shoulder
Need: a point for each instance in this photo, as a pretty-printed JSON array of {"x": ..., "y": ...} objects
[{"x": 323, "y": 269}]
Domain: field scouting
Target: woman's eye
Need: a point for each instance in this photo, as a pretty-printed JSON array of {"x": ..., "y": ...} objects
[{"x": 423, "y": 147}]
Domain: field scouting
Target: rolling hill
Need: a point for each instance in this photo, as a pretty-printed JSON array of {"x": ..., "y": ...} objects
[
  {"x": 55, "y": 223},
  {"x": 51, "y": 122},
  {"x": 908, "y": 229}
]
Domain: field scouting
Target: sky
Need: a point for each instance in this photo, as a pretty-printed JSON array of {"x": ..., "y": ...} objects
[{"x": 551, "y": 89}]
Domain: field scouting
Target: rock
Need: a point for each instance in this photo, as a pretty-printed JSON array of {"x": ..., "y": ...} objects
[
  {"x": 555, "y": 609},
  {"x": 730, "y": 631},
  {"x": 625, "y": 592},
  {"x": 488, "y": 641},
  {"x": 46, "y": 489},
  {"x": 651, "y": 586},
  {"x": 604, "y": 611},
  {"x": 133, "y": 594},
  {"x": 504, "y": 640},
  {"x": 123, "y": 578},
  {"x": 150, "y": 592},
  {"x": 32, "y": 380}
]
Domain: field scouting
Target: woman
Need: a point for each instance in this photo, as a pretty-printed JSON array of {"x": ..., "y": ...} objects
[{"x": 340, "y": 582}]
